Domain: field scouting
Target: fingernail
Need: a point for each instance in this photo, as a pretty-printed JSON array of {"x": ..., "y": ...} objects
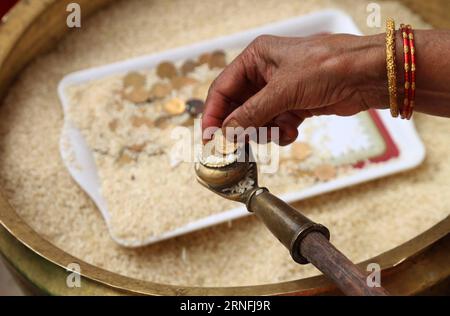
[
  {"x": 207, "y": 133},
  {"x": 232, "y": 130}
]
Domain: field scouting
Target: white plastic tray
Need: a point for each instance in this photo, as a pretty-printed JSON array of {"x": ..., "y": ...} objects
[{"x": 84, "y": 171}]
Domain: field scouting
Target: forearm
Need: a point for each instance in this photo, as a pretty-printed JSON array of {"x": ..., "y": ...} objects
[
  {"x": 432, "y": 72},
  {"x": 283, "y": 80}
]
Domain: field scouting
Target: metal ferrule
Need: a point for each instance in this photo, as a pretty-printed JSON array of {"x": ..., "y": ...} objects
[{"x": 284, "y": 221}]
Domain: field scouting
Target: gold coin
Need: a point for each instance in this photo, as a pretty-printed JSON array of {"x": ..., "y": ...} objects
[
  {"x": 222, "y": 144},
  {"x": 160, "y": 90},
  {"x": 166, "y": 70},
  {"x": 188, "y": 67},
  {"x": 204, "y": 58},
  {"x": 175, "y": 106},
  {"x": 217, "y": 60},
  {"x": 325, "y": 172},
  {"x": 137, "y": 95},
  {"x": 134, "y": 79},
  {"x": 180, "y": 82},
  {"x": 300, "y": 150},
  {"x": 125, "y": 159}
]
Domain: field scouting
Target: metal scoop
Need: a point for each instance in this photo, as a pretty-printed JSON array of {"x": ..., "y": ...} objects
[
  {"x": 307, "y": 242},
  {"x": 285, "y": 222}
]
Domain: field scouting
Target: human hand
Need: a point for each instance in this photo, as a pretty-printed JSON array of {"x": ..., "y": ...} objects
[{"x": 280, "y": 81}]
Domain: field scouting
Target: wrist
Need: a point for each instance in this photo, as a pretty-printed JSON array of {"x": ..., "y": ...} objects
[
  {"x": 370, "y": 68},
  {"x": 374, "y": 86},
  {"x": 369, "y": 73}
]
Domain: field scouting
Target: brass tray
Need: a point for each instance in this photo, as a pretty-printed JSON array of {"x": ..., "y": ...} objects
[{"x": 419, "y": 266}]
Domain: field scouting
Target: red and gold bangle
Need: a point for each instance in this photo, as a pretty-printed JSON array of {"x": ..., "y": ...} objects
[
  {"x": 412, "y": 94},
  {"x": 407, "y": 86},
  {"x": 409, "y": 52}
]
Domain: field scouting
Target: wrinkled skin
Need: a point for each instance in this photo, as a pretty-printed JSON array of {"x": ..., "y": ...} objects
[{"x": 280, "y": 81}]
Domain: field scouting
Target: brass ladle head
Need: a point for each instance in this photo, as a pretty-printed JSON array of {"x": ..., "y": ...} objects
[
  {"x": 222, "y": 177},
  {"x": 306, "y": 240},
  {"x": 227, "y": 180}
]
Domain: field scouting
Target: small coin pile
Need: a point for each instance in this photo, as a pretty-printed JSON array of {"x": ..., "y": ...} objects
[
  {"x": 168, "y": 93},
  {"x": 222, "y": 144},
  {"x": 219, "y": 152}
]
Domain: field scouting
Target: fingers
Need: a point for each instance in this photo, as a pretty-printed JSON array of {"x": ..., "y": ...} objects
[
  {"x": 260, "y": 109},
  {"x": 240, "y": 80},
  {"x": 230, "y": 89},
  {"x": 219, "y": 103},
  {"x": 288, "y": 123}
]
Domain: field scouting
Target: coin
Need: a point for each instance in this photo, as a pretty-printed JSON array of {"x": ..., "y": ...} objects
[
  {"x": 300, "y": 150},
  {"x": 180, "y": 82},
  {"x": 325, "y": 172},
  {"x": 160, "y": 90},
  {"x": 125, "y": 159},
  {"x": 222, "y": 144},
  {"x": 188, "y": 67},
  {"x": 134, "y": 79},
  {"x": 138, "y": 94},
  {"x": 217, "y": 60},
  {"x": 166, "y": 70},
  {"x": 204, "y": 58},
  {"x": 211, "y": 157},
  {"x": 195, "y": 106},
  {"x": 175, "y": 106}
]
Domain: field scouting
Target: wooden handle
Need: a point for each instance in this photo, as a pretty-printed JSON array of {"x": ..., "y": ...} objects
[
  {"x": 332, "y": 263},
  {"x": 285, "y": 222},
  {"x": 308, "y": 243}
]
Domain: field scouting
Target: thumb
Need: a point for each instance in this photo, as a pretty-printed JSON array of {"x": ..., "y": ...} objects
[{"x": 258, "y": 110}]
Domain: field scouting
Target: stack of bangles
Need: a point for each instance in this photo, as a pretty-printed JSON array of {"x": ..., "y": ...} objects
[{"x": 407, "y": 107}]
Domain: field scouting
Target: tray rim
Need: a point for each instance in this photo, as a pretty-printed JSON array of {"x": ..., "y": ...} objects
[{"x": 412, "y": 151}]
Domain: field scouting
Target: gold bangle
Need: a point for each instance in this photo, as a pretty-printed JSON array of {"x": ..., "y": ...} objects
[{"x": 391, "y": 66}]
